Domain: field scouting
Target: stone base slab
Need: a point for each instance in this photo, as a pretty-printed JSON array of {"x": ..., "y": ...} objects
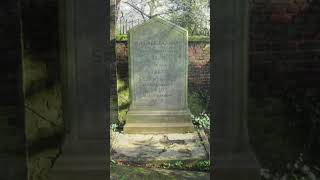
[
  {"x": 154, "y": 122},
  {"x": 157, "y": 147}
]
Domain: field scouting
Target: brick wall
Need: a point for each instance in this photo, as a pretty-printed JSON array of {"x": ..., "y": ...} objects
[
  {"x": 199, "y": 64},
  {"x": 284, "y": 45},
  {"x": 284, "y": 61}
]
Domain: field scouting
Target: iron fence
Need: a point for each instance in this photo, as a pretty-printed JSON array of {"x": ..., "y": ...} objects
[{"x": 124, "y": 25}]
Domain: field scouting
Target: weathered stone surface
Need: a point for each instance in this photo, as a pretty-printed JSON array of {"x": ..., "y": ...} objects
[
  {"x": 160, "y": 147},
  {"x": 158, "y": 68},
  {"x": 199, "y": 64},
  {"x": 158, "y": 65}
]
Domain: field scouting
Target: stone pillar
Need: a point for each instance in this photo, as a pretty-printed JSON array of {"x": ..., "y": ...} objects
[
  {"x": 232, "y": 155},
  {"x": 85, "y": 74},
  {"x": 13, "y": 163},
  {"x": 113, "y": 65}
]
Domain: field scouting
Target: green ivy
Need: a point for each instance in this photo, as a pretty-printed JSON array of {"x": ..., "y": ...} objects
[
  {"x": 122, "y": 37},
  {"x": 297, "y": 170},
  {"x": 201, "y": 165},
  {"x": 202, "y": 121}
]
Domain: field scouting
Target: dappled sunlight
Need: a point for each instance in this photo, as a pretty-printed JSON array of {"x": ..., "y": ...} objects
[{"x": 135, "y": 147}]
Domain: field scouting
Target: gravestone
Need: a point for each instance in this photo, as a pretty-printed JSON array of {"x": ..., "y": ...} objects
[{"x": 158, "y": 69}]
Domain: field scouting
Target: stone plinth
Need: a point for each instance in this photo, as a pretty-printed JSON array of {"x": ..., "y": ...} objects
[
  {"x": 153, "y": 122},
  {"x": 157, "y": 147}
]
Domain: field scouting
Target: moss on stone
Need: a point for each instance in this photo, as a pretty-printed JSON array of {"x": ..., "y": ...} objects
[
  {"x": 199, "y": 38},
  {"x": 43, "y": 112},
  {"x": 123, "y": 100}
]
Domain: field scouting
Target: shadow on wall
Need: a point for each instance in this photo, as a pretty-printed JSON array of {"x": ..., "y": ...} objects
[{"x": 42, "y": 86}]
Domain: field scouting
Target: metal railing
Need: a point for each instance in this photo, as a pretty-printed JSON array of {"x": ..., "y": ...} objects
[{"x": 124, "y": 25}]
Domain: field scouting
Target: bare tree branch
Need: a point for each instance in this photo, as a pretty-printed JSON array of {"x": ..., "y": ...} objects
[
  {"x": 162, "y": 13},
  {"x": 143, "y": 14}
]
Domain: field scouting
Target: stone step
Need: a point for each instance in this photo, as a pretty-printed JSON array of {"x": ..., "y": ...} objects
[
  {"x": 155, "y": 128},
  {"x": 164, "y": 116}
]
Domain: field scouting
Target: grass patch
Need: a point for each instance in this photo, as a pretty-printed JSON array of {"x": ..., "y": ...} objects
[
  {"x": 188, "y": 165},
  {"x": 200, "y": 165}
]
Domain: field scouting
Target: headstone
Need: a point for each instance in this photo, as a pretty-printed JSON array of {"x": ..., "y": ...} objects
[{"x": 158, "y": 69}]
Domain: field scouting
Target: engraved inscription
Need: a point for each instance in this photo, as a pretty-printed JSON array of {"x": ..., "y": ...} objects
[{"x": 159, "y": 68}]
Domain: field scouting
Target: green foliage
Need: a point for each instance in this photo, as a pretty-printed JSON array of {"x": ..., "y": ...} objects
[
  {"x": 137, "y": 173},
  {"x": 201, "y": 165},
  {"x": 202, "y": 121},
  {"x": 305, "y": 106},
  {"x": 287, "y": 126},
  {"x": 123, "y": 177},
  {"x": 114, "y": 127},
  {"x": 297, "y": 170},
  {"x": 174, "y": 165},
  {"x": 275, "y": 140},
  {"x": 198, "y": 103},
  {"x": 199, "y": 38},
  {"x": 190, "y": 14},
  {"x": 123, "y": 103},
  {"x": 122, "y": 37}
]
